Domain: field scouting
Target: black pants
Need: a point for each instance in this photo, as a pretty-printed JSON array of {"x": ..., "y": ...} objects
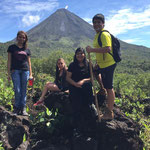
[{"x": 81, "y": 100}]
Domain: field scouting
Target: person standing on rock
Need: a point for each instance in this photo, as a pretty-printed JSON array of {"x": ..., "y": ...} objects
[
  {"x": 60, "y": 84},
  {"x": 19, "y": 70},
  {"x": 105, "y": 61}
]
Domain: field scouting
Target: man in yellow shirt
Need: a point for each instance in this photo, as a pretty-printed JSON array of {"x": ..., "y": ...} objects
[{"x": 105, "y": 61}]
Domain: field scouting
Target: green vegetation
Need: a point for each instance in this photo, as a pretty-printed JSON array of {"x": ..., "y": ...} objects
[
  {"x": 131, "y": 84},
  {"x": 47, "y": 44}
]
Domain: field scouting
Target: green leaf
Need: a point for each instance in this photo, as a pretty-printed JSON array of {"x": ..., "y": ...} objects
[
  {"x": 42, "y": 119},
  {"x": 48, "y": 124},
  {"x": 48, "y": 112},
  {"x": 24, "y": 138}
]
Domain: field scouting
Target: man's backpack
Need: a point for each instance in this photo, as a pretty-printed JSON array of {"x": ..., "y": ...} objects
[{"x": 115, "y": 45}]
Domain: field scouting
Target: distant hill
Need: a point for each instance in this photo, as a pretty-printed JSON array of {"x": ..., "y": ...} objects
[
  {"x": 66, "y": 31},
  {"x": 3, "y": 48}
]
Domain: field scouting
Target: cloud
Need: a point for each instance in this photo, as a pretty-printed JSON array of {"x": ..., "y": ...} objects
[
  {"x": 89, "y": 20},
  {"x": 125, "y": 20},
  {"x": 66, "y": 7},
  {"x": 22, "y": 8},
  {"x": 131, "y": 40},
  {"x": 29, "y": 20}
]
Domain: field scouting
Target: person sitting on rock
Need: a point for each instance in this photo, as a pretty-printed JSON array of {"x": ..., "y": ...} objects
[
  {"x": 60, "y": 83},
  {"x": 80, "y": 87}
]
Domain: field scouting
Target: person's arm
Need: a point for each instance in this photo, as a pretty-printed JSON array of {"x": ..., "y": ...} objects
[
  {"x": 106, "y": 49},
  {"x": 81, "y": 82},
  {"x": 68, "y": 78},
  {"x": 30, "y": 68},
  {"x": 9, "y": 65}
]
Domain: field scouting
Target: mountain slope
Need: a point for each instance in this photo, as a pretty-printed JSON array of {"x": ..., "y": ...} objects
[
  {"x": 66, "y": 31},
  {"x": 61, "y": 24},
  {"x": 62, "y": 30}
]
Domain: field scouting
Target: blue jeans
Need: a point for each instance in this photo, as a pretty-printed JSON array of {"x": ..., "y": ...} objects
[{"x": 20, "y": 79}]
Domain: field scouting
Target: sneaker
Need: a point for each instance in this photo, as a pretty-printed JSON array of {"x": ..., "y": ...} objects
[
  {"x": 108, "y": 115},
  {"x": 23, "y": 112},
  {"x": 16, "y": 111},
  {"x": 38, "y": 103}
]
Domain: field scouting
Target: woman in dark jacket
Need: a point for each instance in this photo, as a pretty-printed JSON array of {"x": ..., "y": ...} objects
[{"x": 60, "y": 83}]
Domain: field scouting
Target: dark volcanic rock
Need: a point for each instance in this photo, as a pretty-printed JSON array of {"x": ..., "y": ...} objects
[
  {"x": 13, "y": 128},
  {"x": 59, "y": 100},
  {"x": 121, "y": 133}
]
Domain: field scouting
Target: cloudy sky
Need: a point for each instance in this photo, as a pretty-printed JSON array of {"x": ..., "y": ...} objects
[{"x": 129, "y": 20}]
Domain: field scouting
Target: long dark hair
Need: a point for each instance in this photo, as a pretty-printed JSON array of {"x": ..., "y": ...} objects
[
  {"x": 25, "y": 45},
  {"x": 57, "y": 69},
  {"x": 84, "y": 60}
]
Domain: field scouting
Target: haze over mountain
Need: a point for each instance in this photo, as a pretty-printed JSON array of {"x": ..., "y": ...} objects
[{"x": 66, "y": 31}]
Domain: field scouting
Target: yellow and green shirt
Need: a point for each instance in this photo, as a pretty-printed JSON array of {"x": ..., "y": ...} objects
[{"x": 104, "y": 59}]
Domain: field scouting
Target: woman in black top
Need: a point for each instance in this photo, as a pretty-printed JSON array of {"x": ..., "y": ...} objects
[
  {"x": 19, "y": 70},
  {"x": 80, "y": 88},
  {"x": 60, "y": 83}
]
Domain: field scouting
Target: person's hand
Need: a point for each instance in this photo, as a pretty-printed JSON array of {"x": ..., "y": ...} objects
[
  {"x": 30, "y": 77},
  {"x": 78, "y": 85},
  {"x": 80, "y": 82},
  {"x": 88, "y": 49}
]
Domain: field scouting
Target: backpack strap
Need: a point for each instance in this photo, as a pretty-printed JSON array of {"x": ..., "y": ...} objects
[
  {"x": 99, "y": 37},
  {"x": 100, "y": 42}
]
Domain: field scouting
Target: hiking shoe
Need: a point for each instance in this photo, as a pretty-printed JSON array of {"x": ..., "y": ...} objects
[
  {"x": 16, "y": 111},
  {"x": 38, "y": 103},
  {"x": 108, "y": 115},
  {"x": 23, "y": 112}
]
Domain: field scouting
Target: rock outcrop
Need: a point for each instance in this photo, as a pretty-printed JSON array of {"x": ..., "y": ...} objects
[
  {"x": 14, "y": 130},
  {"x": 121, "y": 133}
]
